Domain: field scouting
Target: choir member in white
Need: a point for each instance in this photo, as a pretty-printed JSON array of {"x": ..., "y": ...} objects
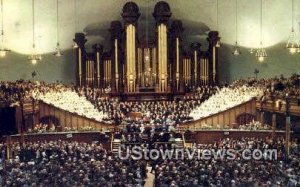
[
  {"x": 70, "y": 101},
  {"x": 224, "y": 99}
]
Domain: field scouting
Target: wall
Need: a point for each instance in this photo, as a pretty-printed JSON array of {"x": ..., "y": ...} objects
[
  {"x": 278, "y": 62},
  {"x": 16, "y": 66}
]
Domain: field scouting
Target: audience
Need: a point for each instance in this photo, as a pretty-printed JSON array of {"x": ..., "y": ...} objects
[
  {"x": 237, "y": 172},
  {"x": 255, "y": 125},
  {"x": 60, "y": 163},
  {"x": 151, "y": 124},
  {"x": 275, "y": 87}
]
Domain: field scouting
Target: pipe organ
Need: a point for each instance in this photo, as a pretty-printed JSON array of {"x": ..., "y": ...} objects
[{"x": 135, "y": 65}]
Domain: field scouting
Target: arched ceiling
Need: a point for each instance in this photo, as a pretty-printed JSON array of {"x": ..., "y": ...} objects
[{"x": 94, "y": 17}]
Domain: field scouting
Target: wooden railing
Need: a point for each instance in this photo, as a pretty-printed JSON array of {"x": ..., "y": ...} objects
[
  {"x": 71, "y": 120},
  {"x": 227, "y": 117},
  {"x": 279, "y": 106}
]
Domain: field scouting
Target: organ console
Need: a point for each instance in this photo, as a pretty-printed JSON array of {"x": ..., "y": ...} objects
[{"x": 134, "y": 65}]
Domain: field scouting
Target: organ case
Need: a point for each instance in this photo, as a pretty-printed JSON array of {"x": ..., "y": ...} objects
[{"x": 133, "y": 65}]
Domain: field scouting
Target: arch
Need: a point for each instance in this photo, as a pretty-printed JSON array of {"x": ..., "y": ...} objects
[
  {"x": 244, "y": 118},
  {"x": 50, "y": 119}
]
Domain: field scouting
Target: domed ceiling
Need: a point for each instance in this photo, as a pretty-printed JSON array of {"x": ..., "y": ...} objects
[{"x": 94, "y": 16}]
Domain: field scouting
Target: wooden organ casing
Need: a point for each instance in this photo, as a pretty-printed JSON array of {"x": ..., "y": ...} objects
[{"x": 160, "y": 65}]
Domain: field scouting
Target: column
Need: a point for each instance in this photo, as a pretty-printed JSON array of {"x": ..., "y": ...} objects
[
  {"x": 273, "y": 116},
  {"x": 273, "y": 125},
  {"x": 262, "y": 117},
  {"x": 130, "y": 16},
  {"x": 162, "y": 14},
  {"x": 287, "y": 126}
]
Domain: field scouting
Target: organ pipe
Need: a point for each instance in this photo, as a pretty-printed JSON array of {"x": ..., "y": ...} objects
[
  {"x": 98, "y": 68},
  {"x": 195, "y": 67},
  {"x": 214, "y": 64},
  {"x": 79, "y": 66}
]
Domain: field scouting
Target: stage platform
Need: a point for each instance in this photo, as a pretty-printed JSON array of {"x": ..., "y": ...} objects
[
  {"x": 197, "y": 136},
  {"x": 147, "y": 96},
  {"x": 201, "y": 136},
  {"x": 79, "y": 136}
]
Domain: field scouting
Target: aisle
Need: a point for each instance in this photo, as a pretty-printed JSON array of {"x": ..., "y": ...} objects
[{"x": 150, "y": 178}]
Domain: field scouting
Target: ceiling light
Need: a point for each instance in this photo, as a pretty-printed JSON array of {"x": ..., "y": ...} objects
[
  {"x": 3, "y": 50},
  {"x": 261, "y": 53},
  {"x": 218, "y": 44},
  {"x": 251, "y": 51},
  {"x": 34, "y": 57},
  {"x": 58, "y": 52},
  {"x": 75, "y": 45},
  {"x": 292, "y": 44},
  {"x": 236, "y": 49}
]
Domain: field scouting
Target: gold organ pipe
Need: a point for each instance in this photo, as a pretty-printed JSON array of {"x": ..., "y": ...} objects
[
  {"x": 184, "y": 70},
  {"x": 177, "y": 55},
  {"x": 139, "y": 59},
  {"x": 89, "y": 75},
  {"x": 91, "y": 71},
  {"x": 127, "y": 49},
  {"x": 195, "y": 66},
  {"x": 116, "y": 57},
  {"x": 204, "y": 77},
  {"x": 131, "y": 48},
  {"x": 207, "y": 71},
  {"x": 87, "y": 71},
  {"x": 159, "y": 58},
  {"x": 189, "y": 70},
  {"x": 201, "y": 73},
  {"x": 154, "y": 64},
  {"x": 133, "y": 51},
  {"x": 79, "y": 65},
  {"x": 106, "y": 66},
  {"x": 214, "y": 64},
  {"x": 130, "y": 56},
  {"x": 116, "y": 64},
  {"x": 104, "y": 71},
  {"x": 98, "y": 65},
  {"x": 127, "y": 55},
  {"x": 109, "y": 70},
  {"x": 163, "y": 49},
  {"x": 159, "y": 54},
  {"x": 204, "y": 71}
]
